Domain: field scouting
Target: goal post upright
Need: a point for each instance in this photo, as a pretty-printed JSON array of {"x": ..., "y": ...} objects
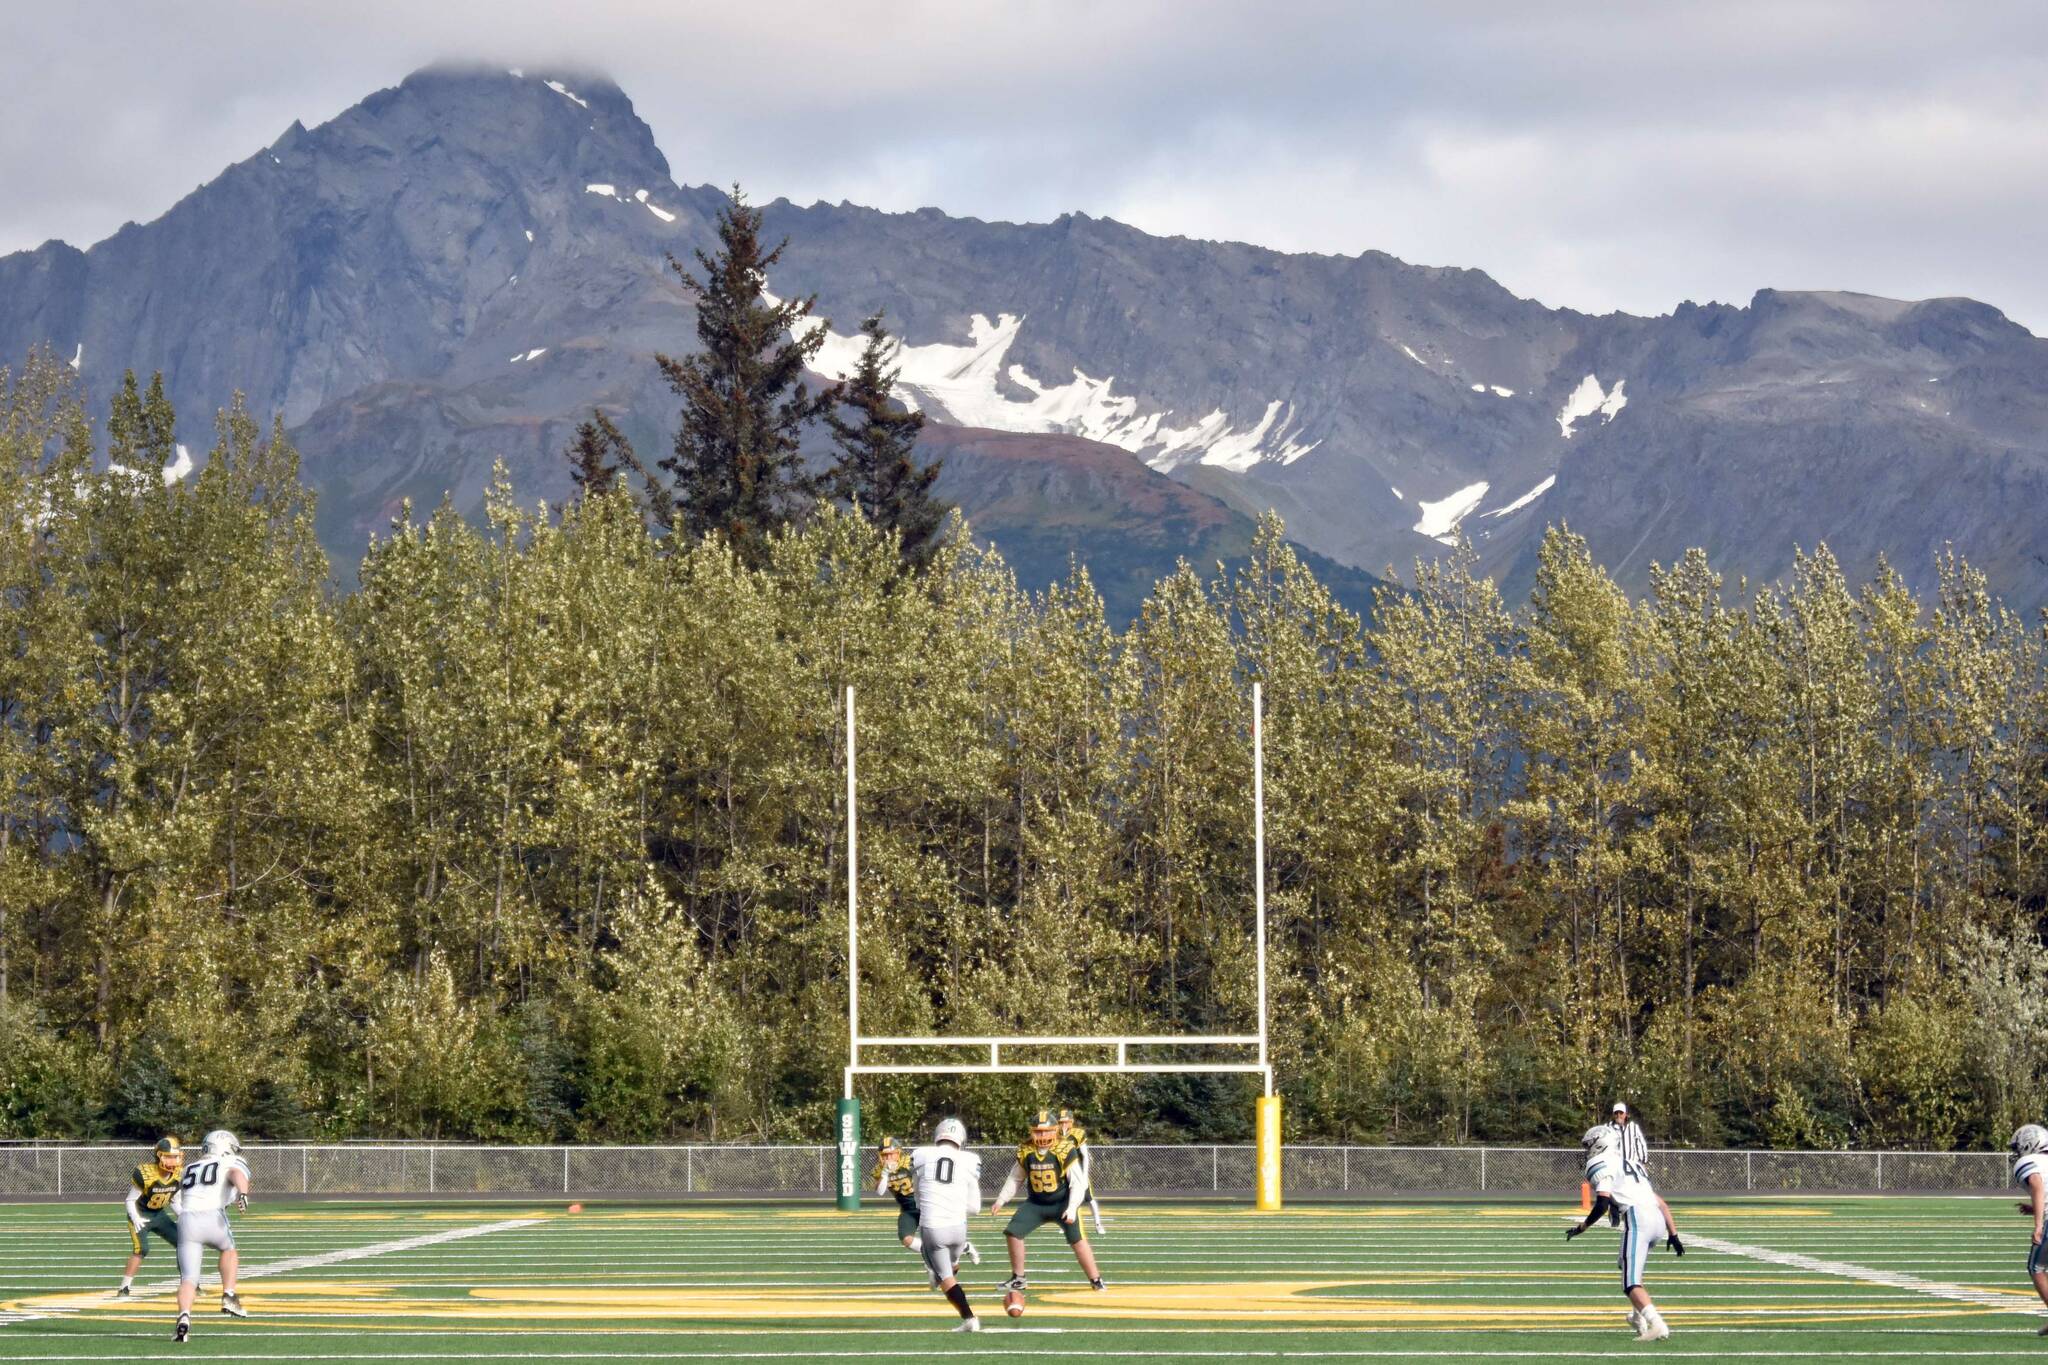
[
  {"x": 1266, "y": 1110},
  {"x": 848, "y": 1110},
  {"x": 1266, "y": 1125}
]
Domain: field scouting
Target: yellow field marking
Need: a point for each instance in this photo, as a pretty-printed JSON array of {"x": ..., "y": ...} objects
[{"x": 1308, "y": 1303}]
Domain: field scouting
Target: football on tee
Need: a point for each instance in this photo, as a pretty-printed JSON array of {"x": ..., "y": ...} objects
[{"x": 1013, "y": 1303}]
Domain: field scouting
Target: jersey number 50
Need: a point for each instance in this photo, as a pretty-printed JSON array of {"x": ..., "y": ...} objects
[{"x": 201, "y": 1175}]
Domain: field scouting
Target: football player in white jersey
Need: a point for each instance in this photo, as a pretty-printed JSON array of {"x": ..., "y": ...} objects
[
  {"x": 1646, "y": 1221},
  {"x": 2030, "y": 1172},
  {"x": 948, "y": 1180},
  {"x": 218, "y": 1175}
]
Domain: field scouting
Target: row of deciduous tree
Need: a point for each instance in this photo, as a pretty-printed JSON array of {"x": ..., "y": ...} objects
[{"x": 539, "y": 833}]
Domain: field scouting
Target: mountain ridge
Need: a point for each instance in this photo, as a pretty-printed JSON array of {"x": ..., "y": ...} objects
[{"x": 457, "y": 268}]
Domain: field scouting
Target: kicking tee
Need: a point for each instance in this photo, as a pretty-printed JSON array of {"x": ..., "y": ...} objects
[{"x": 948, "y": 1182}]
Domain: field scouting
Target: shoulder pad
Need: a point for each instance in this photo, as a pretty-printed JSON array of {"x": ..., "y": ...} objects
[{"x": 1025, "y": 1151}]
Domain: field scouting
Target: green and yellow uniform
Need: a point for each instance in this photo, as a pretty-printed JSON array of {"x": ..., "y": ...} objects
[
  {"x": 1047, "y": 1185},
  {"x": 154, "y": 1188},
  {"x": 900, "y": 1185}
]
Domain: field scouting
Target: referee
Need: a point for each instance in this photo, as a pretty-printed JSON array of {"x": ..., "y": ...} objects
[{"x": 1635, "y": 1148}]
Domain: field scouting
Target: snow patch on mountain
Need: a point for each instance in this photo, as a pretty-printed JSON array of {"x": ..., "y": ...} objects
[
  {"x": 962, "y": 384},
  {"x": 600, "y": 187},
  {"x": 1589, "y": 398},
  {"x": 661, "y": 213},
  {"x": 78, "y": 356},
  {"x": 1412, "y": 356},
  {"x": 1519, "y": 503},
  {"x": 566, "y": 93},
  {"x": 535, "y": 354},
  {"x": 1440, "y": 519}
]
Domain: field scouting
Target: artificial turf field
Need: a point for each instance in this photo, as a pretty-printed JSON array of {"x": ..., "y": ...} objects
[{"x": 1893, "y": 1279}]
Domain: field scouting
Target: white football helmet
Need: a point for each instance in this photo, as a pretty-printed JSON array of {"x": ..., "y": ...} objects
[
  {"x": 2028, "y": 1139},
  {"x": 950, "y": 1130},
  {"x": 1600, "y": 1143},
  {"x": 220, "y": 1142}
]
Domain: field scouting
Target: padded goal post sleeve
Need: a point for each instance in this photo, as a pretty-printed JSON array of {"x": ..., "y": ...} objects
[
  {"x": 1268, "y": 1130},
  {"x": 849, "y": 1155}
]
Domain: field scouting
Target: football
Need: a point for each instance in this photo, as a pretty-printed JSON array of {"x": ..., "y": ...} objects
[{"x": 1013, "y": 1303}]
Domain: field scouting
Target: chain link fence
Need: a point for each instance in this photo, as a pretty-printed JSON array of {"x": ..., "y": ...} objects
[{"x": 797, "y": 1173}]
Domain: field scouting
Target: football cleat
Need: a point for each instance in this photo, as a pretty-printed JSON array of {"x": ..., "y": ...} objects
[
  {"x": 973, "y": 1254},
  {"x": 1015, "y": 1282},
  {"x": 182, "y": 1330},
  {"x": 2044, "y": 1330},
  {"x": 124, "y": 1292},
  {"x": 969, "y": 1325},
  {"x": 1097, "y": 1285},
  {"x": 231, "y": 1304}
]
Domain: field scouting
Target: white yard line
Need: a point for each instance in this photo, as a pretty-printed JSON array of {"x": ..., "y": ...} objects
[
  {"x": 1891, "y": 1279},
  {"x": 314, "y": 1262},
  {"x": 1067, "y": 1353}
]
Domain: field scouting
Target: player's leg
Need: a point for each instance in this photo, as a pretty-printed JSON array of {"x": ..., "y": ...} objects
[
  {"x": 1642, "y": 1228},
  {"x": 1019, "y": 1227},
  {"x": 137, "y": 1249},
  {"x": 1083, "y": 1253},
  {"x": 941, "y": 1253},
  {"x": 191, "y": 1255},
  {"x": 2037, "y": 1271},
  {"x": 906, "y": 1229},
  {"x": 230, "y": 1263}
]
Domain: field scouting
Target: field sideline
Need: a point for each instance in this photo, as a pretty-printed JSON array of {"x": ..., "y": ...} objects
[{"x": 1894, "y": 1279}]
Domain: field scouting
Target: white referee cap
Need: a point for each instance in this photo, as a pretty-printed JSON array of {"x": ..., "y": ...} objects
[{"x": 1619, "y": 1108}]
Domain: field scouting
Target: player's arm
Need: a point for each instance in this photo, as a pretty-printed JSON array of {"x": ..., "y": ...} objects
[
  {"x": 238, "y": 1181},
  {"x": 134, "y": 1206},
  {"x": 2037, "y": 1187},
  {"x": 1009, "y": 1187},
  {"x": 1601, "y": 1206},
  {"x": 1077, "y": 1189},
  {"x": 882, "y": 1174}
]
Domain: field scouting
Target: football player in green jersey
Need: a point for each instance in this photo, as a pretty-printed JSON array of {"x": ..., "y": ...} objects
[
  {"x": 1055, "y": 1182},
  {"x": 892, "y": 1176},
  {"x": 1074, "y": 1133},
  {"x": 152, "y": 1186}
]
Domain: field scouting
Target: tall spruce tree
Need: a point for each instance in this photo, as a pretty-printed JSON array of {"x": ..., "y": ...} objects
[
  {"x": 735, "y": 469},
  {"x": 877, "y": 469}
]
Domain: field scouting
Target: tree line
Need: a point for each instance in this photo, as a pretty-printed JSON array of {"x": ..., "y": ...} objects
[{"x": 539, "y": 833}]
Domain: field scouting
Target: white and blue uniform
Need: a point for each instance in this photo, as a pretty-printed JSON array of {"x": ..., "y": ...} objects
[
  {"x": 948, "y": 1182},
  {"x": 1642, "y": 1218},
  {"x": 2028, "y": 1166}
]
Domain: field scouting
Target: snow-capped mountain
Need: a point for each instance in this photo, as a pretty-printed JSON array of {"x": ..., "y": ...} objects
[{"x": 457, "y": 269}]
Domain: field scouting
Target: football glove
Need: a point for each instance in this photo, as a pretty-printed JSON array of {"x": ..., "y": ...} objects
[
  {"x": 241, "y": 1203},
  {"x": 1677, "y": 1247},
  {"x": 1574, "y": 1230}
]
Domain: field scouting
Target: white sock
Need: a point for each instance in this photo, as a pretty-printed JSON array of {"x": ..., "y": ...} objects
[{"x": 127, "y": 1281}]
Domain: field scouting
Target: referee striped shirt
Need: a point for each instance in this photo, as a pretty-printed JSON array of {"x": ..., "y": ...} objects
[{"x": 1635, "y": 1148}]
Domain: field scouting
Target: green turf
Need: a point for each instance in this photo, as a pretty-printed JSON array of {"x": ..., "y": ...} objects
[{"x": 1405, "y": 1282}]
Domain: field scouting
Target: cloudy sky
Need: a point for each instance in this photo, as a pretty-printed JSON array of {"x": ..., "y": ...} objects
[{"x": 1599, "y": 156}]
